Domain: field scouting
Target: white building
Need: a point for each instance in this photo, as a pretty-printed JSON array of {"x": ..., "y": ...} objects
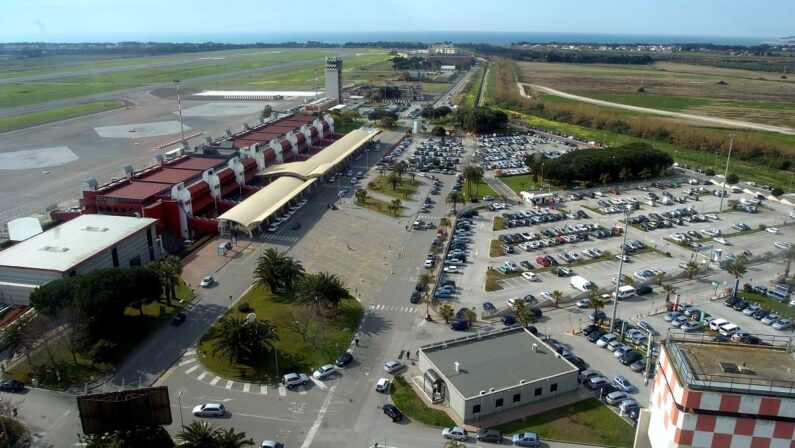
[{"x": 81, "y": 245}]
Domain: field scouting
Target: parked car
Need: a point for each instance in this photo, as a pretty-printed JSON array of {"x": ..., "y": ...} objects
[
  {"x": 391, "y": 411},
  {"x": 382, "y": 385},
  {"x": 393, "y": 366},
  {"x": 782, "y": 324},
  {"x": 294, "y": 379},
  {"x": 490, "y": 435},
  {"x": 344, "y": 359},
  {"x": 623, "y": 383},
  {"x": 12, "y": 386},
  {"x": 209, "y": 410},
  {"x": 615, "y": 398},
  {"x": 525, "y": 439},
  {"x": 179, "y": 318},
  {"x": 455, "y": 433},
  {"x": 508, "y": 320},
  {"x": 324, "y": 372}
]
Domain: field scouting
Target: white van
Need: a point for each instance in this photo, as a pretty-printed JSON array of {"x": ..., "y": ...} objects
[
  {"x": 581, "y": 283},
  {"x": 715, "y": 324},
  {"x": 729, "y": 328},
  {"x": 625, "y": 292}
]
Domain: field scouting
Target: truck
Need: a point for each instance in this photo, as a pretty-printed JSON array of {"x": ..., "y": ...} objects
[{"x": 581, "y": 283}]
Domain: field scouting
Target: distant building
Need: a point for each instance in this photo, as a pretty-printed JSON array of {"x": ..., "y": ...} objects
[
  {"x": 447, "y": 68},
  {"x": 710, "y": 394},
  {"x": 334, "y": 78},
  {"x": 448, "y": 59},
  {"x": 488, "y": 373},
  {"x": 443, "y": 49},
  {"x": 84, "y": 244},
  {"x": 320, "y": 105}
]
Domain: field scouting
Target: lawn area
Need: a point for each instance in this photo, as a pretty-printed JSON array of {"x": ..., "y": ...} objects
[
  {"x": 587, "y": 421},
  {"x": 51, "y": 115},
  {"x": 524, "y": 182},
  {"x": 379, "y": 206},
  {"x": 479, "y": 190},
  {"x": 768, "y": 303},
  {"x": 404, "y": 190},
  {"x": 65, "y": 372},
  {"x": 494, "y": 248},
  {"x": 410, "y": 404},
  {"x": 324, "y": 340},
  {"x": 499, "y": 223}
]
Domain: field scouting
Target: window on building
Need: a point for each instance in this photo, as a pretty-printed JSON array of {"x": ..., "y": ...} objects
[
  {"x": 553, "y": 387},
  {"x": 498, "y": 404},
  {"x": 149, "y": 239},
  {"x": 538, "y": 391},
  {"x": 517, "y": 398},
  {"x": 476, "y": 409}
]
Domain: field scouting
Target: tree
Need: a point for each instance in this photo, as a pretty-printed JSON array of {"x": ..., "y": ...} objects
[
  {"x": 229, "y": 438},
  {"x": 267, "y": 111},
  {"x": 75, "y": 334},
  {"x": 361, "y": 196},
  {"x": 738, "y": 268},
  {"x": 426, "y": 300},
  {"x": 604, "y": 178},
  {"x": 199, "y": 434},
  {"x": 169, "y": 269},
  {"x": 454, "y": 198},
  {"x": 446, "y": 312},
  {"x": 645, "y": 173},
  {"x": 596, "y": 303},
  {"x": 393, "y": 179},
  {"x": 277, "y": 270},
  {"x": 556, "y": 296},
  {"x": 732, "y": 179},
  {"x": 624, "y": 174},
  {"x": 470, "y": 315},
  {"x": 372, "y": 185},
  {"x": 777, "y": 191},
  {"x": 473, "y": 174},
  {"x": 400, "y": 168},
  {"x": 691, "y": 269},
  {"x": 388, "y": 122},
  {"x": 659, "y": 277},
  {"x": 424, "y": 280},
  {"x": 150, "y": 437},
  {"x": 395, "y": 205},
  {"x": 668, "y": 288},
  {"x": 438, "y": 131},
  {"x": 320, "y": 290},
  {"x": 243, "y": 340},
  {"x": 14, "y": 341}
]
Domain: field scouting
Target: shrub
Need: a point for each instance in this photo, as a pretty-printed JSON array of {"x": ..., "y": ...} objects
[
  {"x": 777, "y": 192},
  {"x": 102, "y": 351},
  {"x": 438, "y": 131},
  {"x": 732, "y": 179},
  {"x": 244, "y": 307},
  {"x": 709, "y": 172}
]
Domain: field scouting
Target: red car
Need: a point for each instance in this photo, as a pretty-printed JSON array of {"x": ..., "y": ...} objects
[{"x": 542, "y": 261}]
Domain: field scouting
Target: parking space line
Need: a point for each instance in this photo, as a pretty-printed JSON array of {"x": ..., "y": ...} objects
[
  {"x": 187, "y": 361},
  {"x": 319, "y": 383},
  {"x": 192, "y": 369},
  {"x": 246, "y": 387},
  {"x": 263, "y": 389},
  {"x": 282, "y": 391},
  {"x": 215, "y": 380},
  {"x": 301, "y": 390},
  {"x": 229, "y": 384}
]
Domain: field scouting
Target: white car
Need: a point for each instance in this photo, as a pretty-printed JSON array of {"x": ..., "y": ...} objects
[
  {"x": 207, "y": 281},
  {"x": 294, "y": 379},
  {"x": 450, "y": 269},
  {"x": 530, "y": 276},
  {"x": 455, "y": 433},
  {"x": 583, "y": 303},
  {"x": 772, "y": 230},
  {"x": 783, "y": 244},
  {"x": 546, "y": 295},
  {"x": 721, "y": 240},
  {"x": 393, "y": 366},
  {"x": 209, "y": 410},
  {"x": 324, "y": 372},
  {"x": 382, "y": 385}
]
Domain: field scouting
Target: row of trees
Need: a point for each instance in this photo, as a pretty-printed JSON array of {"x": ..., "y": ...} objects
[
  {"x": 550, "y": 55},
  {"x": 429, "y": 112},
  {"x": 632, "y": 161},
  {"x": 480, "y": 120}
]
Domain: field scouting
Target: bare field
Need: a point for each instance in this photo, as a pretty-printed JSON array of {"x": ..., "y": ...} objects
[{"x": 729, "y": 93}]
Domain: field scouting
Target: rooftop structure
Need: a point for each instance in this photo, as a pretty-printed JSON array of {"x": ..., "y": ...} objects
[{"x": 334, "y": 78}]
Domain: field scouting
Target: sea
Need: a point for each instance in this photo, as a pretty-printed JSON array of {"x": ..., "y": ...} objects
[{"x": 488, "y": 37}]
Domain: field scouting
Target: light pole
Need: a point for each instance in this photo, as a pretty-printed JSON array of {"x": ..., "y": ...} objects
[
  {"x": 179, "y": 106},
  {"x": 726, "y": 172},
  {"x": 627, "y": 213},
  {"x": 179, "y": 401}
]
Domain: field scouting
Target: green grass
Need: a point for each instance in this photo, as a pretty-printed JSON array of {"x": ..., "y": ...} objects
[
  {"x": 499, "y": 223},
  {"x": 747, "y": 171},
  {"x": 379, "y": 206},
  {"x": 493, "y": 276},
  {"x": 478, "y": 191},
  {"x": 413, "y": 407},
  {"x": 769, "y": 303},
  {"x": 403, "y": 191},
  {"x": 331, "y": 337},
  {"x": 494, "y": 248},
  {"x": 51, "y": 115},
  {"x": 524, "y": 182},
  {"x": 586, "y": 421},
  {"x": 664, "y": 102}
]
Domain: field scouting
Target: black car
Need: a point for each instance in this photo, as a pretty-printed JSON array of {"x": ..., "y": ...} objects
[
  {"x": 740, "y": 305},
  {"x": 12, "y": 386},
  {"x": 643, "y": 290},
  {"x": 552, "y": 261},
  {"x": 750, "y": 339},
  {"x": 605, "y": 389},
  {"x": 459, "y": 325},
  {"x": 460, "y": 313},
  {"x": 490, "y": 435},
  {"x": 536, "y": 312},
  {"x": 415, "y": 297},
  {"x": 344, "y": 359},
  {"x": 759, "y": 314},
  {"x": 595, "y": 335},
  {"x": 448, "y": 282},
  {"x": 630, "y": 357},
  {"x": 589, "y": 329},
  {"x": 730, "y": 302},
  {"x": 391, "y": 411},
  {"x": 179, "y": 318},
  {"x": 578, "y": 362}
]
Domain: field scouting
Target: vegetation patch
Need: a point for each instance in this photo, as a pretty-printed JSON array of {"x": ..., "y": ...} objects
[
  {"x": 51, "y": 115},
  {"x": 499, "y": 223},
  {"x": 400, "y": 190},
  {"x": 494, "y": 248},
  {"x": 413, "y": 407},
  {"x": 493, "y": 277},
  {"x": 587, "y": 421},
  {"x": 770, "y": 304}
]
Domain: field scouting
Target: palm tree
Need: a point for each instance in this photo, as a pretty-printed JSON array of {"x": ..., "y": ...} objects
[
  {"x": 790, "y": 255},
  {"x": 738, "y": 268},
  {"x": 395, "y": 205},
  {"x": 360, "y": 195},
  {"x": 604, "y": 178},
  {"x": 381, "y": 170},
  {"x": 321, "y": 290},
  {"x": 444, "y": 222},
  {"x": 660, "y": 276},
  {"x": 645, "y": 173},
  {"x": 470, "y": 315},
  {"x": 596, "y": 302},
  {"x": 446, "y": 312},
  {"x": 231, "y": 439},
  {"x": 624, "y": 174},
  {"x": 691, "y": 269},
  {"x": 267, "y": 270},
  {"x": 199, "y": 434},
  {"x": 230, "y": 338},
  {"x": 371, "y": 185},
  {"x": 290, "y": 270},
  {"x": 400, "y": 168},
  {"x": 668, "y": 288},
  {"x": 477, "y": 177},
  {"x": 424, "y": 280},
  {"x": 468, "y": 178},
  {"x": 169, "y": 270},
  {"x": 556, "y": 296},
  {"x": 426, "y": 300},
  {"x": 393, "y": 179},
  {"x": 454, "y": 197}
]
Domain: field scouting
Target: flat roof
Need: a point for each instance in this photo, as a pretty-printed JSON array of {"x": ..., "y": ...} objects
[
  {"x": 255, "y": 93},
  {"x": 320, "y": 163},
  {"x": 167, "y": 175},
  {"x": 137, "y": 190},
  {"x": 195, "y": 163},
  {"x": 707, "y": 364},
  {"x": 274, "y": 129},
  {"x": 497, "y": 360},
  {"x": 63, "y": 247},
  {"x": 262, "y": 204}
]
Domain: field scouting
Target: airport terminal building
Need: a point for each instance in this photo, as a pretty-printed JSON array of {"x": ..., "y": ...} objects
[{"x": 483, "y": 374}]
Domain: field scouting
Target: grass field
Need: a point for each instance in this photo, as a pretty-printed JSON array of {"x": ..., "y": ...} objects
[
  {"x": 587, "y": 421},
  {"x": 404, "y": 191},
  {"x": 380, "y": 206},
  {"x": 26, "y": 93},
  {"x": 49, "y": 116},
  {"x": 730, "y": 93},
  {"x": 413, "y": 407},
  {"x": 746, "y": 171},
  {"x": 324, "y": 342}
]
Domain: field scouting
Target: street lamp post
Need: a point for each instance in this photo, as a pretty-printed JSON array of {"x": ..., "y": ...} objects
[
  {"x": 179, "y": 401},
  {"x": 179, "y": 106},
  {"x": 726, "y": 172},
  {"x": 627, "y": 213}
]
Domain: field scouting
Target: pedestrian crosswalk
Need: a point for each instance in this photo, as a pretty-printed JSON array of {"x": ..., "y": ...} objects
[
  {"x": 429, "y": 217},
  {"x": 280, "y": 238},
  {"x": 243, "y": 276},
  {"x": 395, "y": 308},
  {"x": 412, "y": 255}
]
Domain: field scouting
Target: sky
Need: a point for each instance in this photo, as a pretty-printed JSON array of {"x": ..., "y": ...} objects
[{"x": 67, "y": 20}]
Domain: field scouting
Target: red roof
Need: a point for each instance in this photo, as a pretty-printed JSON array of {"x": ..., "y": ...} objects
[
  {"x": 271, "y": 130},
  {"x": 195, "y": 163},
  {"x": 137, "y": 190},
  {"x": 168, "y": 176}
]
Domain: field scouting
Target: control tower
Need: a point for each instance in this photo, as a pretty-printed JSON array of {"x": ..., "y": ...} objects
[{"x": 334, "y": 78}]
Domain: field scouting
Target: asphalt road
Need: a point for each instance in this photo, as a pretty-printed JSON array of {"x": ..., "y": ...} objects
[{"x": 646, "y": 110}]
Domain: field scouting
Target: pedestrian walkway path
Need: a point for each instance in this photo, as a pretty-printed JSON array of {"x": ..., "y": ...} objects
[
  {"x": 393, "y": 308},
  {"x": 279, "y": 238}
]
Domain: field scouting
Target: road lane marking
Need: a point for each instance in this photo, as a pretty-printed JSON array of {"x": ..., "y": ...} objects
[
  {"x": 229, "y": 384},
  {"x": 282, "y": 391},
  {"x": 320, "y": 414},
  {"x": 192, "y": 369},
  {"x": 263, "y": 389},
  {"x": 246, "y": 387},
  {"x": 187, "y": 361},
  {"x": 319, "y": 384},
  {"x": 215, "y": 380},
  {"x": 301, "y": 390},
  {"x": 202, "y": 375}
]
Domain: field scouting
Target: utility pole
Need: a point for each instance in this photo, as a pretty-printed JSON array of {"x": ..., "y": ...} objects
[
  {"x": 627, "y": 213},
  {"x": 179, "y": 105},
  {"x": 726, "y": 172}
]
